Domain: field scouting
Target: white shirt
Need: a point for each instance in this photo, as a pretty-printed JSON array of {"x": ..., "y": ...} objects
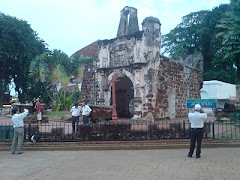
[
  {"x": 196, "y": 119},
  {"x": 86, "y": 110},
  {"x": 76, "y": 111},
  {"x": 17, "y": 119}
]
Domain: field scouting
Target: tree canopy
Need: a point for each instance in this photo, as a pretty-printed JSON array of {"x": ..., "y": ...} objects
[
  {"x": 55, "y": 70},
  {"x": 230, "y": 34},
  {"x": 36, "y": 71},
  {"x": 19, "y": 44},
  {"x": 198, "y": 33}
]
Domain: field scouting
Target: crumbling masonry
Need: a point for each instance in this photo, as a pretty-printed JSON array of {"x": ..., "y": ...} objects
[{"x": 151, "y": 86}]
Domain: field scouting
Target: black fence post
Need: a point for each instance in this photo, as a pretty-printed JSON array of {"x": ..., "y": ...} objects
[
  {"x": 29, "y": 132},
  {"x": 150, "y": 131},
  {"x": 7, "y": 132},
  {"x": 104, "y": 131},
  {"x": 184, "y": 130},
  {"x": 213, "y": 133}
]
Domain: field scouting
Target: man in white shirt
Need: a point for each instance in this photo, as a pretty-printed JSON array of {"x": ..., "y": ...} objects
[
  {"x": 18, "y": 127},
  {"x": 196, "y": 118},
  {"x": 86, "y": 110},
  {"x": 76, "y": 111}
]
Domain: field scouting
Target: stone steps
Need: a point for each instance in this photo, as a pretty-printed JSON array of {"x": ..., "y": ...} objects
[{"x": 116, "y": 145}]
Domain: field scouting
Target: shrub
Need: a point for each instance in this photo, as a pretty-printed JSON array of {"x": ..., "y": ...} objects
[
  {"x": 116, "y": 131},
  {"x": 57, "y": 131}
]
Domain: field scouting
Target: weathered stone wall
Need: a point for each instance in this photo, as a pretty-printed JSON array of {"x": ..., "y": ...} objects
[
  {"x": 182, "y": 80},
  {"x": 88, "y": 85},
  {"x": 119, "y": 52},
  {"x": 160, "y": 85},
  {"x": 128, "y": 22},
  {"x": 153, "y": 84}
]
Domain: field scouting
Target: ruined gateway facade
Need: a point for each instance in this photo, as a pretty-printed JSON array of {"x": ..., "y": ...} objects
[{"x": 151, "y": 86}]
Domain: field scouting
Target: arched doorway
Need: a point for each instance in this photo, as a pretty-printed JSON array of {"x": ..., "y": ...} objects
[{"x": 124, "y": 96}]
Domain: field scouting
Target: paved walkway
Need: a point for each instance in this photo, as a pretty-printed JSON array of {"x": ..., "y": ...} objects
[{"x": 163, "y": 164}]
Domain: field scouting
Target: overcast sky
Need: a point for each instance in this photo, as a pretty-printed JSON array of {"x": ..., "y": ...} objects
[{"x": 70, "y": 25}]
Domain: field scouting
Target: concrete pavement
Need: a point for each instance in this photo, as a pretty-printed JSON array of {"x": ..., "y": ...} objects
[{"x": 161, "y": 164}]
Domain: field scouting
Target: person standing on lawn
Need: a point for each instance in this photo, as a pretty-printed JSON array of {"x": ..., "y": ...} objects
[
  {"x": 39, "y": 111},
  {"x": 86, "y": 110},
  {"x": 76, "y": 111}
]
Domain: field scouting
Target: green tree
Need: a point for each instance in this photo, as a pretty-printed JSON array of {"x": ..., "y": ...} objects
[
  {"x": 230, "y": 26},
  {"x": 40, "y": 70},
  {"x": 186, "y": 38},
  {"x": 59, "y": 77},
  {"x": 197, "y": 33},
  {"x": 76, "y": 66},
  {"x": 55, "y": 70},
  {"x": 19, "y": 44}
]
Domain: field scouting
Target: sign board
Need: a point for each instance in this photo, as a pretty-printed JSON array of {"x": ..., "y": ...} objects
[{"x": 205, "y": 103}]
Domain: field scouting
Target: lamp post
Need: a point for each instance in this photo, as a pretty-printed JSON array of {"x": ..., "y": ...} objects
[{"x": 114, "y": 113}]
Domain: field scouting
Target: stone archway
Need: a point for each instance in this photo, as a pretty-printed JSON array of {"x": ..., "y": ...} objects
[{"x": 124, "y": 96}]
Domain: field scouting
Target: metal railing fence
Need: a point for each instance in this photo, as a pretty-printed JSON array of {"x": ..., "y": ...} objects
[{"x": 132, "y": 131}]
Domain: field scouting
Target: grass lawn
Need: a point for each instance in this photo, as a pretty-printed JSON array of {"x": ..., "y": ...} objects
[{"x": 52, "y": 115}]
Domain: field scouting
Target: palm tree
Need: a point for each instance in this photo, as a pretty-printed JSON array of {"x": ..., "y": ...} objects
[
  {"x": 54, "y": 70},
  {"x": 40, "y": 71},
  {"x": 77, "y": 65},
  {"x": 60, "y": 78}
]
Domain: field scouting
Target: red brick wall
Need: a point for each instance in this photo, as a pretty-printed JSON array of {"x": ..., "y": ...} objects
[
  {"x": 87, "y": 90},
  {"x": 172, "y": 77}
]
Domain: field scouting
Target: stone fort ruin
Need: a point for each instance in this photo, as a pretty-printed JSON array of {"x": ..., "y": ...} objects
[{"x": 151, "y": 86}]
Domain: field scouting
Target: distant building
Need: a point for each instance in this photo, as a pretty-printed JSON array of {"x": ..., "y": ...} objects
[{"x": 218, "y": 90}]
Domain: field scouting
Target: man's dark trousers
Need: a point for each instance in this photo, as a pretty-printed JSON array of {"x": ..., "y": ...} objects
[
  {"x": 75, "y": 119},
  {"x": 196, "y": 134},
  {"x": 85, "y": 119}
]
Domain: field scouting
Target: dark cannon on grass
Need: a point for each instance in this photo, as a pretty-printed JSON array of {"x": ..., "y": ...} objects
[{"x": 100, "y": 113}]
